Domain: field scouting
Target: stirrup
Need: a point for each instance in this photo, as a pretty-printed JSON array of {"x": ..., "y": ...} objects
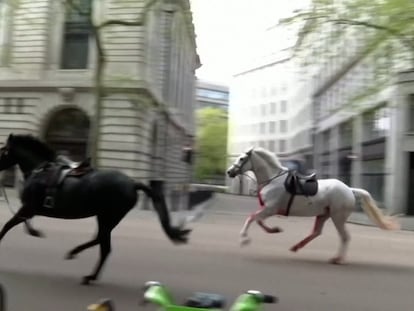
[{"x": 48, "y": 203}]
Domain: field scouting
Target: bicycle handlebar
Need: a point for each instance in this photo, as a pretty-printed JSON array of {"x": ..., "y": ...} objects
[{"x": 269, "y": 299}]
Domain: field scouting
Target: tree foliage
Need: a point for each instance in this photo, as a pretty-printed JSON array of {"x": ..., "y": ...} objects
[
  {"x": 375, "y": 20},
  {"x": 377, "y": 33},
  {"x": 211, "y": 143}
]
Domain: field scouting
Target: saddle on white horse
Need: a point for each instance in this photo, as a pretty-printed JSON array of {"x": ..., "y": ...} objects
[{"x": 298, "y": 184}]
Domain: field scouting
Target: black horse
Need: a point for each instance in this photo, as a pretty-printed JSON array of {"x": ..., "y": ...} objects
[{"x": 108, "y": 195}]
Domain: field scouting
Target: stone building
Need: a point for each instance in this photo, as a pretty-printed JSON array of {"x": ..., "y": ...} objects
[{"x": 47, "y": 65}]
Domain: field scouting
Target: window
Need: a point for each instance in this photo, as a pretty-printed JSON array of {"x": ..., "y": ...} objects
[
  {"x": 7, "y": 105},
  {"x": 272, "y": 127},
  {"x": 283, "y": 106},
  {"x": 272, "y": 108},
  {"x": 4, "y": 31},
  {"x": 19, "y": 105},
  {"x": 345, "y": 134},
  {"x": 326, "y": 138},
  {"x": 262, "y": 128},
  {"x": 377, "y": 123},
  {"x": 283, "y": 126},
  {"x": 282, "y": 145},
  {"x": 263, "y": 110},
  {"x": 264, "y": 92},
  {"x": 272, "y": 145},
  {"x": 75, "y": 48}
]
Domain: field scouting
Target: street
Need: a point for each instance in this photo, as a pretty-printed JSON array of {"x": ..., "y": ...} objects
[{"x": 379, "y": 274}]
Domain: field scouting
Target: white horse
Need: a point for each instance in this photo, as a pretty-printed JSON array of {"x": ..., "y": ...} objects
[{"x": 333, "y": 199}]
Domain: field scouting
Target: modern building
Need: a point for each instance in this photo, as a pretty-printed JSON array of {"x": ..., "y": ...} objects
[
  {"x": 260, "y": 108},
  {"x": 362, "y": 105},
  {"x": 47, "y": 67},
  {"x": 211, "y": 94}
]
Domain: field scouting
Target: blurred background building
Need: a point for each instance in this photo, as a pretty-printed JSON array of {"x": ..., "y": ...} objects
[{"x": 211, "y": 94}]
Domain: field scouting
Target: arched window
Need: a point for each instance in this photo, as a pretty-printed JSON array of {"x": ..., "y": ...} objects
[{"x": 67, "y": 132}]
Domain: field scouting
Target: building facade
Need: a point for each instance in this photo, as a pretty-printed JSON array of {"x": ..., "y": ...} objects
[
  {"x": 47, "y": 67},
  {"x": 361, "y": 110}
]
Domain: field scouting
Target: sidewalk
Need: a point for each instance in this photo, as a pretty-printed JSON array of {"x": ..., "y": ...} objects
[
  {"x": 226, "y": 204},
  {"x": 244, "y": 204},
  {"x": 407, "y": 222}
]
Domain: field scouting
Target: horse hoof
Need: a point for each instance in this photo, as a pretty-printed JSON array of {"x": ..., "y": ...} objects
[
  {"x": 70, "y": 256},
  {"x": 337, "y": 261},
  {"x": 36, "y": 233},
  {"x": 294, "y": 249},
  {"x": 86, "y": 280},
  {"x": 245, "y": 241}
]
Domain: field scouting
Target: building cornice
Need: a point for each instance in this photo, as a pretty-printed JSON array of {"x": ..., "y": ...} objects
[{"x": 85, "y": 86}]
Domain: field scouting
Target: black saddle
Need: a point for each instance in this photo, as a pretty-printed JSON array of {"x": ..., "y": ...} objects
[
  {"x": 56, "y": 171},
  {"x": 298, "y": 184},
  {"x": 206, "y": 300}
]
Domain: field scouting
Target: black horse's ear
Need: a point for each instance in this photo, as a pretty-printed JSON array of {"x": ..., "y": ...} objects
[{"x": 10, "y": 138}]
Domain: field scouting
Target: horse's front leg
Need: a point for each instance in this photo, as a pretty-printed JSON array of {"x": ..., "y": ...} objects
[
  {"x": 22, "y": 215},
  {"x": 268, "y": 229},
  {"x": 259, "y": 216}
]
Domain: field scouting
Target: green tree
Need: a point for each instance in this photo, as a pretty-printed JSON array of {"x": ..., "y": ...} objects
[
  {"x": 381, "y": 30},
  {"x": 211, "y": 143},
  {"x": 386, "y": 19}
]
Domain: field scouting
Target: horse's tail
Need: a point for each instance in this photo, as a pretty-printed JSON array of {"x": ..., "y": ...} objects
[
  {"x": 177, "y": 235},
  {"x": 372, "y": 210}
]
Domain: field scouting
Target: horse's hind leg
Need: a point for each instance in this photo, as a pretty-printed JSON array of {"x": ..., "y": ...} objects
[
  {"x": 80, "y": 248},
  {"x": 317, "y": 231},
  {"x": 339, "y": 221},
  {"x": 105, "y": 226},
  {"x": 76, "y": 250},
  {"x": 105, "y": 244}
]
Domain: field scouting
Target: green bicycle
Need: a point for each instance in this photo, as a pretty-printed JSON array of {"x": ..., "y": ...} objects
[{"x": 158, "y": 295}]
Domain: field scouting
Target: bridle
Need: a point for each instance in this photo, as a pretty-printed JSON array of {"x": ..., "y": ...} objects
[
  {"x": 261, "y": 185},
  {"x": 4, "y": 150}
]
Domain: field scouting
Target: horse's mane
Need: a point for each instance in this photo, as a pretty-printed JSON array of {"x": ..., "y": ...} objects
[
  {"x": 268, "y": 156},
  {"x": 34, "y": 144}
]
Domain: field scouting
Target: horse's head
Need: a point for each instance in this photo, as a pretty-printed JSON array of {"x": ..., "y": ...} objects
[
  {"x": 241, "y": 165},
  {"x": 7, "y": 156},
  {"x": 263, "y": 163},
  {"x": 26, "y": 151}
]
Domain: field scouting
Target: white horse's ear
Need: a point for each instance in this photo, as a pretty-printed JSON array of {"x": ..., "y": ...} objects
[{"x": 248, "y": 152}]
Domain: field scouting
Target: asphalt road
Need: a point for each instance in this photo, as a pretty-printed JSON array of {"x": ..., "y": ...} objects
[{"x": 379, "y": 275}]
